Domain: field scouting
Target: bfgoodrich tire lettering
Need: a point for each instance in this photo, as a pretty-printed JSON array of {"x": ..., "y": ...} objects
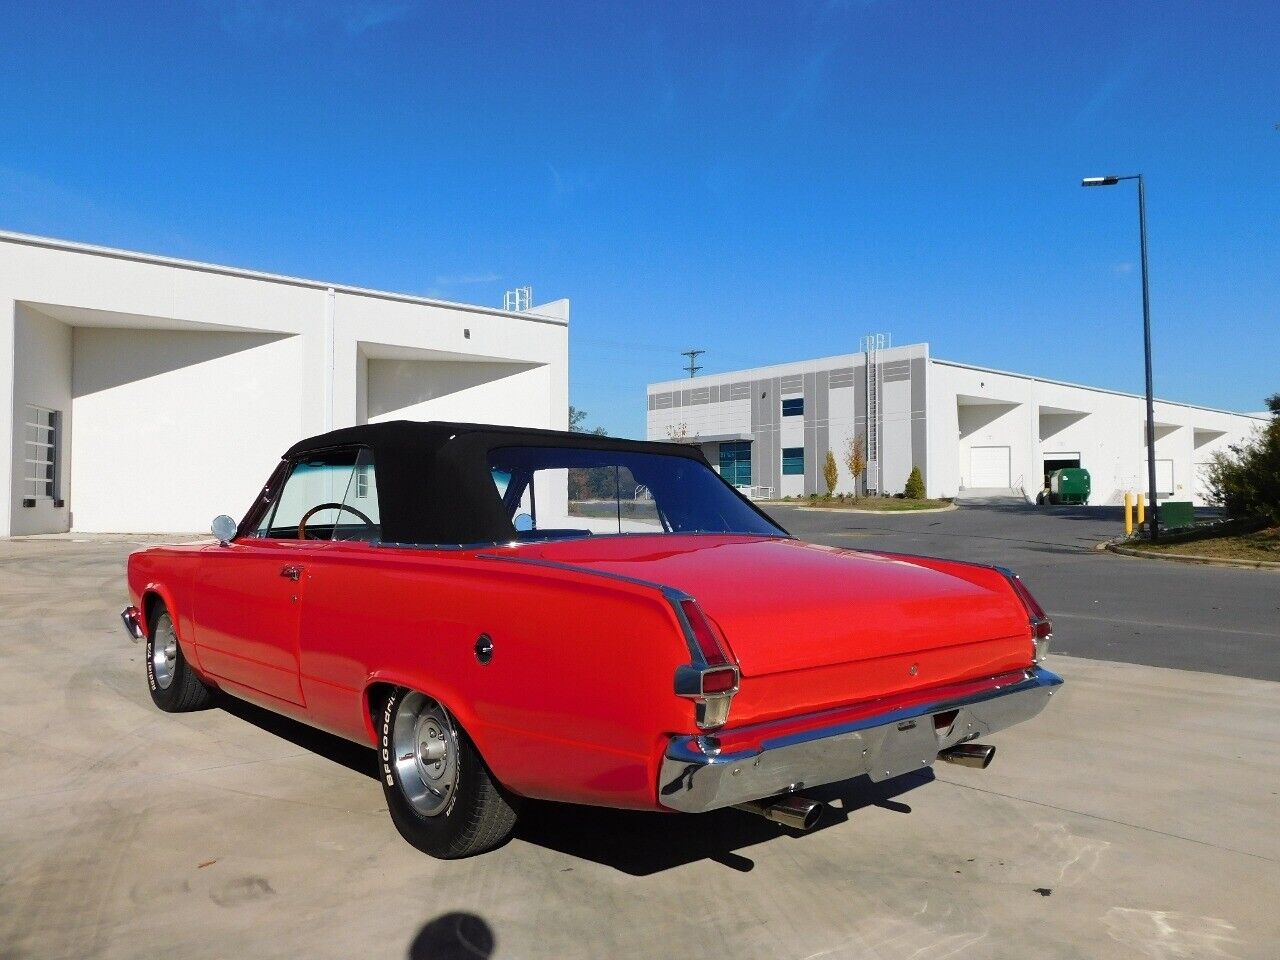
[
  {"x": 441, "y": 796},
  {"x": 174, "y": 686}
]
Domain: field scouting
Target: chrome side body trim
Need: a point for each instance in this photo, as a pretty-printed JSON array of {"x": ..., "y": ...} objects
[{"x": 881, "y": 745}]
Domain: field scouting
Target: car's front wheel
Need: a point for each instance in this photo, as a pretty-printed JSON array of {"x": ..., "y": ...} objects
[
  {"x": 441, "y": 796},
  {"x": 174, "y": 686}
]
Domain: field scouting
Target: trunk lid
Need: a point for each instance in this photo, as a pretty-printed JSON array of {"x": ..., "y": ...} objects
[{"x": 786, "y": 606}]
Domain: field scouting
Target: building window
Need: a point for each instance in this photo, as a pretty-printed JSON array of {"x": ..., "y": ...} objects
[
  {"x": 792, "y": 461},
  {"x": 41, "y": 455},
  {"x": 735, "y": 462},
  {"x": 793, "y": 407}
]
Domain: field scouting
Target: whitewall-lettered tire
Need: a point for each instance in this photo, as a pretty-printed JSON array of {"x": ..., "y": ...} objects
[
  {"x": 174, "y": 686},
  {"x": 440, "y": 794}
]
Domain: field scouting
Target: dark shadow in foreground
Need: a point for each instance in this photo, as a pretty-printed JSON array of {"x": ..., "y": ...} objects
[
  {"x": 453, "y": 936},
  {"x": 645, "y": 843}
]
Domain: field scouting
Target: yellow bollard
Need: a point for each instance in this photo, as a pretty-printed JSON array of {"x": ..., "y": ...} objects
[
  {"x": 1142, "y": 509},
  {"x": 1128, "y": 513}
]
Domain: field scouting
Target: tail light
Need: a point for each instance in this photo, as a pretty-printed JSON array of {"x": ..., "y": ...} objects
[
  {"x": 711, "y": 679},
  {"x": 1041, "y": 626}
]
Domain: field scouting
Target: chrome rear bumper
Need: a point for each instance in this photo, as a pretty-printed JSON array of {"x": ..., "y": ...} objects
[
  {"x": 131, "y": 617},
  {"x": 701, "y": 773}
]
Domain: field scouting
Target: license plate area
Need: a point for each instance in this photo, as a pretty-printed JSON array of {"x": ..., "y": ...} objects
[{"x": 901, "y": 747}]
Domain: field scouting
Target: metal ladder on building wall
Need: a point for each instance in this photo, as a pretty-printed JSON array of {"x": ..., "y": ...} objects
[{"x": 872, "y": 345}]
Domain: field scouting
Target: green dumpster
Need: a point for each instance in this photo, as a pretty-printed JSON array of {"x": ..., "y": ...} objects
[
  {"x": 1069, "y": 485},
  {"x": 1175, "y": 514}
]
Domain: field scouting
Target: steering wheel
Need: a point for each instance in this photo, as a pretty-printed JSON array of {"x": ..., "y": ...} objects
[{"x": 302, "y": 524}]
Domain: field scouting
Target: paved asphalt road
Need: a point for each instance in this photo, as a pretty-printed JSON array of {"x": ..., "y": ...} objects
[{"x": 1192, "y": 617}]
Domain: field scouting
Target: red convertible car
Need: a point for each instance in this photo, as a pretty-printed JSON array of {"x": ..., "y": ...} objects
[{"x": 506, "y": 613}]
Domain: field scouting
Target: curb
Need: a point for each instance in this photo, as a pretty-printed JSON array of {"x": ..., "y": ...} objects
[
  {"x": 1188, "y": 558},
  {"x": 879, "y": 513}
]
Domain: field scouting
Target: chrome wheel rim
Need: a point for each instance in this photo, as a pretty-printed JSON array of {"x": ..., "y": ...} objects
[
  {"x": 426, "y": 751},
  {"x": 164, "y": 652}
]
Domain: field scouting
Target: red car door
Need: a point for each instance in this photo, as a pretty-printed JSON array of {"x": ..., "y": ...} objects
[
  {"x": 249, "y": 593},
  {"x": 248, "y": 600}
]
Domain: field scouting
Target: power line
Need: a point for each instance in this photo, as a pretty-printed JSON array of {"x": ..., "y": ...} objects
[{"x": 693, "y": 368}]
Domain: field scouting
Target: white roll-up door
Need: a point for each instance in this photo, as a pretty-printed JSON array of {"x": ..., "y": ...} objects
[{"x": 989, "y": 467}]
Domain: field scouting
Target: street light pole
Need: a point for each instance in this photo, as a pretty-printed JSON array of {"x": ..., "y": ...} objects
[{"x": 1153, "y": 522}]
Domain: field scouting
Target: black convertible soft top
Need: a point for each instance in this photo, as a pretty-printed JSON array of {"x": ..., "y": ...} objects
[{"x": 434, "y": 482}]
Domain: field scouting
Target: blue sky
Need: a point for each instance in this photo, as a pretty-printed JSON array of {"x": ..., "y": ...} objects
[{"x": 765, "y": 181}]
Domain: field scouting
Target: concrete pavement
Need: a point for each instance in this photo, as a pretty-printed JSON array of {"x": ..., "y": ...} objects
[{"x": 1134, "y": 818}]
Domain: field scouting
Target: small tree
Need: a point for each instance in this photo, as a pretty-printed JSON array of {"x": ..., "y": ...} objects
[
  {"x": 679, "y": 433},
  {"x": 855, "y": 458},
  {"x": 830, "y": 473},
  {"x": 915, "y": 485},
  {"x": 1246, "y": 478},
  {"x": 576, "y": 423}
]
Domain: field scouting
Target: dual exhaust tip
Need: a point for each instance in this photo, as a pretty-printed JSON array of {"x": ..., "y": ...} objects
[
  {"x": 977, "y": 755},
  {"x": 798, "y": 813},
  {"x": 801, "y": 813}
]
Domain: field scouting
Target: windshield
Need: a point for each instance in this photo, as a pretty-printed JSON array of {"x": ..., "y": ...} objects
[{"x": 564, "y": 492}]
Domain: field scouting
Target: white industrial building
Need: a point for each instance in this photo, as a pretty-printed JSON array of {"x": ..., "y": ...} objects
[
  {"x": 966, "y": 427},
  {"x": 150, "y": 394}
]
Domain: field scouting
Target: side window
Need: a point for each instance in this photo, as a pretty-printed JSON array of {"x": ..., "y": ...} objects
[
  {"x": 327, "y": 496},
  {"x": 359, "y": 519}
]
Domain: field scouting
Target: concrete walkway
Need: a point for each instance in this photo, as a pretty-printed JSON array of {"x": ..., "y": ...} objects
[{"x": 1136, "y": 818}]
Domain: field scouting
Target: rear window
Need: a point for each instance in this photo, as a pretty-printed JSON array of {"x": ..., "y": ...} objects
[{"x": 551, "y": 492}]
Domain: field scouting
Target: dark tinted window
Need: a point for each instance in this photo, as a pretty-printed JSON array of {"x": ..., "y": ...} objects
[
  {"x": 557, "y": 491},
  {"x": 792, "y": 460},
  {"x": 735, "y": 462}
]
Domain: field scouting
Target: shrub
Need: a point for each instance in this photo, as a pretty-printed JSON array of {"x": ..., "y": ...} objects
[
  {"x": 830, "y": 473},
  {"x": 1246, "y": 478},
  {"x": 915, "y": 485}
]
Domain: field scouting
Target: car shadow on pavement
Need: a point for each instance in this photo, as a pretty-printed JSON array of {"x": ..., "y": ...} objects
[
  {"x": 632, "y": 842},
  {"x": 641, "y": 844},
  {"x": 353, "y": 756}
]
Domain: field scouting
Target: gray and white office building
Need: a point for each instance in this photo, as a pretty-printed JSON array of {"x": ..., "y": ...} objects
[{"x": 966, "y": 427}]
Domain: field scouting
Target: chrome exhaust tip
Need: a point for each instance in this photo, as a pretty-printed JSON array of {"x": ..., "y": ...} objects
[
  {"x": 977, "y": 755},
  {"x": 798, "y": 813}
]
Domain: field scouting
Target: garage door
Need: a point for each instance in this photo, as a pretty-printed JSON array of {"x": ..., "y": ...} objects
[{"x": 989, "y": 467}]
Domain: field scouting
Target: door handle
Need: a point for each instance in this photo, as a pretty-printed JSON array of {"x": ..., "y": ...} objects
[{"x": 291, "y": 572}]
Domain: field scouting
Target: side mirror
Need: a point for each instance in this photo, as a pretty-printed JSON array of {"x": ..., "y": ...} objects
[{"x": 224, "y": 528}]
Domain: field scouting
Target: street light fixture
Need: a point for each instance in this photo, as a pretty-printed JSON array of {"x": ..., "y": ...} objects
[{"x": 1110, "y": 181}]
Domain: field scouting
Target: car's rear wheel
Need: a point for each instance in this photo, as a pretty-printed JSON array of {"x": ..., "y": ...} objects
[
  {"x": 175, "y": 688},
  {"x": 441, "y": 796}
]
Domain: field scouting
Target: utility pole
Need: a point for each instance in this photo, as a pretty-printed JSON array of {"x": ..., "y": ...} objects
[
  {"x": 1153, "y": 513},
  {"x": 693, "y": 368}
]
